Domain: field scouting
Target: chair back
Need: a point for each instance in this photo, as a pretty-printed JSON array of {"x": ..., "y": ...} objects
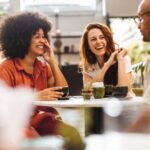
[{"x": 74, "y": 79}]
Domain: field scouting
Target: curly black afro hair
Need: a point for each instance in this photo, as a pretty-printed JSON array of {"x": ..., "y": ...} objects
[{"x": 16, "y": 31}]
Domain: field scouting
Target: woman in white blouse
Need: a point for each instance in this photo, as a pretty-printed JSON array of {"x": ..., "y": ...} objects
[{"x": 101, "y": 60}]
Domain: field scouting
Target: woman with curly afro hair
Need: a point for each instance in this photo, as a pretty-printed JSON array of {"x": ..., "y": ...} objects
[{"x": 24, "y": 39}]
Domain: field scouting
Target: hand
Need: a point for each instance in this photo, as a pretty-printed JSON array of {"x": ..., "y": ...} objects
[
  {"x": 112, "y": 58},
  {"x": 121, "y": 53},
  {"x": 48, "y": 54},
  {"x": 50, "y": 93}
]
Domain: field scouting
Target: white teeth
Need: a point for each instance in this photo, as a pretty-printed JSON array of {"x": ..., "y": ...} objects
[
  {"x": 40, "y": 46},
  {"x": 98, "y": 48}
]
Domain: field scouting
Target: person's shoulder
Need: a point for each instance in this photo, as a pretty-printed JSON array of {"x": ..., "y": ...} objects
[
  {"x": 6, "y": 62},
  {"x": 6, "y": 65}
]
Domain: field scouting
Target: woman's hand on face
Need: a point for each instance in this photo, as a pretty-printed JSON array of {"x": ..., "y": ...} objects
[
  {"x": 50, "y": 93},
  {"x": 48, "y": 54}
]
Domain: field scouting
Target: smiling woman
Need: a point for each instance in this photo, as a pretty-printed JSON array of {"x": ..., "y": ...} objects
[
  {"x": 24, "y": 37},
  {"x": 101, "y": 61}
]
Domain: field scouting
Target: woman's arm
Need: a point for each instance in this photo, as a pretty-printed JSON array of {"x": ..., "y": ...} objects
[
  {"x": 124, "y": 78},
  {"x": 98, "y": 77},
  {"x": 101, "y": 73},
  {"x": 57, "y": 78}
]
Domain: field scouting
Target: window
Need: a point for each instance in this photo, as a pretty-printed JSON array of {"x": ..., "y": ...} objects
[
  {"x": 4, "y": 1},
  {"x": 62, "y": 4},
  {"x": 4, "y": 6}
]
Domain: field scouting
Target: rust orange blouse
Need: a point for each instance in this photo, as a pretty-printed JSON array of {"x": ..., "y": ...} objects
[{"x": 13, "y": 73}]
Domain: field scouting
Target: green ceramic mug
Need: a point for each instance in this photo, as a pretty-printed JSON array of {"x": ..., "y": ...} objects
[{"x": 98, "y": 90}]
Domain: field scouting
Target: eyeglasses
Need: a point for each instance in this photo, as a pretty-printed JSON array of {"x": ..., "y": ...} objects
[{"x": 138, "y": 19}]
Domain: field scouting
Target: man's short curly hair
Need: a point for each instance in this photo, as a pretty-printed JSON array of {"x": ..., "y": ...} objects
[{"x": 16, "y": 31}]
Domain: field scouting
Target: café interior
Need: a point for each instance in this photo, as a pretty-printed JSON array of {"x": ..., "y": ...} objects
[{"x": 105, "y": 123}]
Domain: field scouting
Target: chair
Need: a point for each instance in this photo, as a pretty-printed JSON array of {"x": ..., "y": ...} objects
[{"x": 74, "y": 79}]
